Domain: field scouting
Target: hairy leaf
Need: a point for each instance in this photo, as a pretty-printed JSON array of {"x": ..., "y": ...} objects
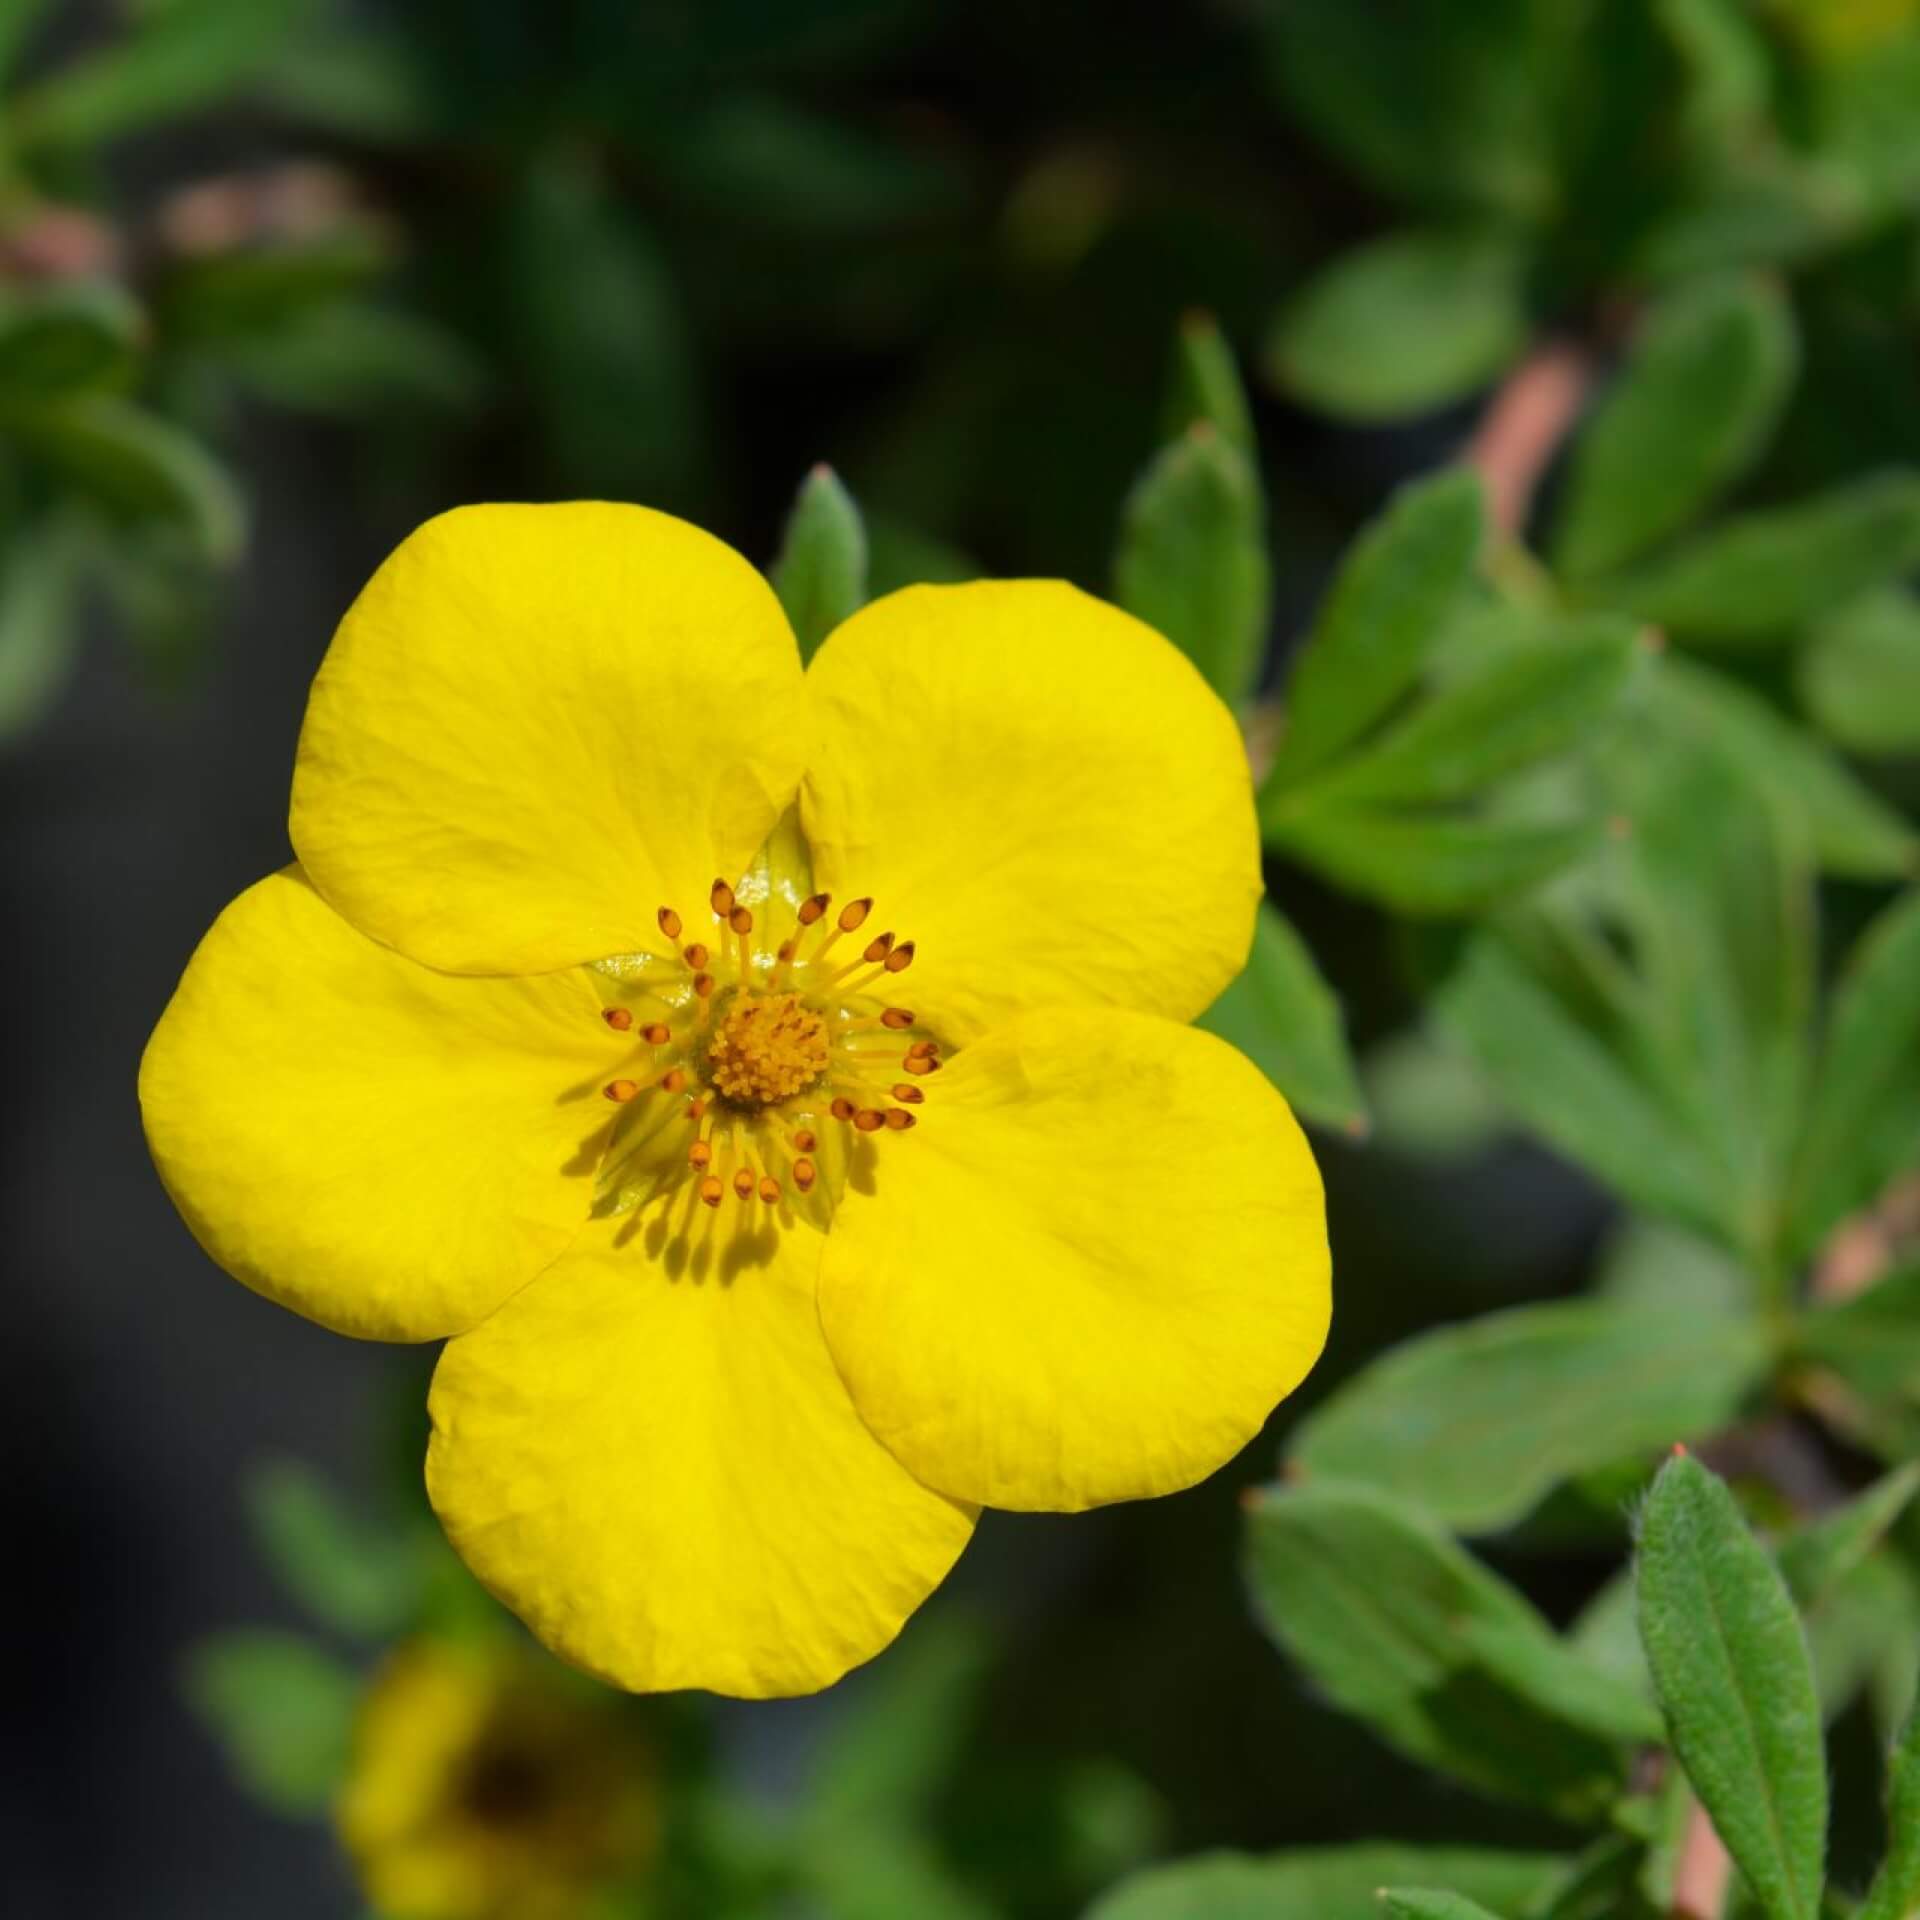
[{"x": 820, "y": 573}]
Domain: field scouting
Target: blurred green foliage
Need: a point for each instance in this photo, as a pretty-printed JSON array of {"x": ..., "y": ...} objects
[{"x": 1559, "y": 563}]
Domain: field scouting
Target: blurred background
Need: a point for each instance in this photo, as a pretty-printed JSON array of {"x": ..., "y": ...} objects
[{"x": 281, "y": 278}]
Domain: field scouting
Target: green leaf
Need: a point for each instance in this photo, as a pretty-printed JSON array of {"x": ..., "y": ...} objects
[
  {"x": 1574, "y": 1091},
  {"x": 1428, "y": 1903},
  {"x": 141, "y": 468},
  {"x": 1710, "y": 371},
  {"x": 1192, "y": 559},
  {"x": 346, "y": 1574},
  {"x": 1758, "y": 577},
  {"x": 1429, "y": 1100},
  {"x": 18, "y": 20},
  {"x": 900, "y": 554},
  {"x": 1207, "y": 387},
  {"x": 38, "y": 632},
  {"x": 351, "y": 357},
  {"x": 1895, "y": 1893},
  {"x": 1399, "y": 583},
  {"x": 821, "y": 572},
  {"x": 1478, "y": 1422},
  {"x": 63, "y": 339},
  {"x": 1730, "y": 1664},
  {"x": 252, "y": 291},
  {"x": 1403, "y": 325},
  {"x": 1284, "y": 1017},
  {"x": 1323, "y": 1883},
  {"x": 1859, "y": 673},
  {"x": 1862, "y": 1118},
  {"x": 1815, "y": 1558},
  {"x": 1854, "y": 832},
  {"x": 283, "y": 1710},
  {"x": 1518, "y": 710},
  {"x": 1432, "y": 864},
  {"x": 181, "y": 57},
  {"x": 1384, "y": 1612},
  {"x": 1871, "y": 1340}
]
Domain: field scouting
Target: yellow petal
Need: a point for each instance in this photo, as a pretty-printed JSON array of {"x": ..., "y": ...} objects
[
  {"x": 1090, "y": 1272},
  {"x": 388, "y": 1150},
  {"x": 536, "y": 726},
  {"x": 1039, "y": 791},
  {"x": 656, "y": 1466}
]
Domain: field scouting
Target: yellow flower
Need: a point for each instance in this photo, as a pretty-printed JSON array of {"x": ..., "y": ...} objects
[
  {"x": 482, "y": 1788},
  {"x": 474, "y": 1066}
]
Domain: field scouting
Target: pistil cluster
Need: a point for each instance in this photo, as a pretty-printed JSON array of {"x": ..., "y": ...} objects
[{"x": 750, "y": 1050}]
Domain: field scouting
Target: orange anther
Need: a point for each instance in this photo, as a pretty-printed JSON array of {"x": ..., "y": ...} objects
[
  {"x": 700, "y": 1154},
  {"x": 618, "y": 1018},
  {"x": 695, "y": 956},
  {"x": 740, "y": 920},
  {"x": 897, "y": 1018},
  {"x": 901, "y": 958},
  {"x": 703, "y": 985},
  {"x": 869, "y": 1119},
  {"x": 784, "y": 952},
  {"x": 911, "y": 1095},
  {"x": 854, "y": 912},
  {"x": 743, "y": 1183},
  {"x": 921, "y": 1063},
  {"x": 921, "y": 1049},
  {"x": 656, "y": 1035},
  {"x": 711, "y": 1190},
  {"x": 620, "y": 1091},
  {"x": 813, "y": 906},
  {"x": 676, "y": 1081},
  {"x": 803, "y": 1175},
  {"x": 770, "y": 1190},
  {"x": 804, "y": 1141},
  {"x": 696, "y": 1109},
  {"x": 842, "y": 1108},
  {"x": 899, "y": 1119},
  {"x": 721, "y": 898},
  {"x": 669, "y": 922}
]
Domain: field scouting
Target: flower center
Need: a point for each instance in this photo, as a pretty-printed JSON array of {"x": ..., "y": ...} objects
[
  {"x": 766, "y": 1048},
  {"x": 769, "y": 1065}
]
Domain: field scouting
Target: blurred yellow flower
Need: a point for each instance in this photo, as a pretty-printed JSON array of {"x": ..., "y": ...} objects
[
  {"x": 502, "y": 1025},
  {"x": 483, "y": 1787}
]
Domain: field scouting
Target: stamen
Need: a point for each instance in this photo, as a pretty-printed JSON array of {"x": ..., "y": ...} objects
[
  {"x": 842, "y": 1108},
  {"x": 744, "y": 1183},
  {"x": 913, "y": 1096},
  {"x": 803, "y": 1174},
  {"x": 769, "y": 1189},
  {"x": 711, "y": 1190},
  {"x": 676, "y": 1081},
  {"x": 741, "y": 921},
  {"x": 669, "y": 922},
  {"x": 656, "y": 1035},
  {"x": 813, "y": 907},
  {"x": 805, "y": 1140},
  {"x": 721, "y": 899},
  {"x": 695, "y": 956},
  {"x": 897, "y": 1018},
  {"x": 898, "y": 1118},
  {"x": 921, "y": 1063},
  {"x": 901, "y": 958},
  {"x": 618, "y": 1018},
  {"x": 621, "y": 1091},
  {"x": 869, "y": 1119}
]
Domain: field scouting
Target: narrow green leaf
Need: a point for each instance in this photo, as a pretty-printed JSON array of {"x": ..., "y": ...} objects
[
  {"x": 1572, "y": 1090},
  {"x": 347, "y": 1575},
  {"x": 1541, "y": 1672},
  {"x": 1815, "y": 1558},
  {"x": 1383, "y": 1610},
  {"x": 1859, "y": 673},
  {"x": 1400, "y": 581},
  {"x": 141, "y": 468},
  {"x": 1854, "y": 832},
  {"x": 1324, "y": 1883},
  {"x": 1207, "y": 386},
  {"x": 1895, "y": 1893},
  {"x": 900, "y": 554},
  {"x": 1285, "y": 1018},
  {"x": 1478, "y": 1422},
  {"x": 1872, "y": 1340},
  {"x": 1730, "y": 1664},
  {"x": 1700, "y": 395},
  {"x": 1403, "y": 325},
  {"x": 1192, "y": 559},
  {"x": 1758, "y": 577},
  {"x": 1863, "y": 1115},
  {"x": 1429, "y": 1903},
  {"x": 821, "y": 572},
  {"x": 1436, "y": 864},
  {"x": 38, "y": 636},
  {"x": 182, "y": 57},
  {"x": 283, "y": 1710},
  {"x": 64, "y": 339},
  {"x": 1519, "y": 710}
]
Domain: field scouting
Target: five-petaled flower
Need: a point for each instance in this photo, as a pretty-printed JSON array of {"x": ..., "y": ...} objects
[{"x": 780, "y": 1219}]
